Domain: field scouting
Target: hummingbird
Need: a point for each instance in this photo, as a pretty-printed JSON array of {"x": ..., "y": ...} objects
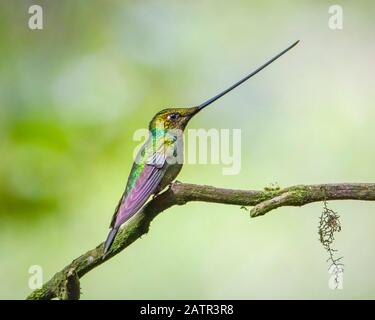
[{"x": 155, "y": 166}]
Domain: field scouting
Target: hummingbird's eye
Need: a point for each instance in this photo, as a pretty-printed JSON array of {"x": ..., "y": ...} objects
[{"x": 173, "y": 116}]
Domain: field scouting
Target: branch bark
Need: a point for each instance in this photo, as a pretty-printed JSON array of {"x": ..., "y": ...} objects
[{"x": 179, "y": 194}]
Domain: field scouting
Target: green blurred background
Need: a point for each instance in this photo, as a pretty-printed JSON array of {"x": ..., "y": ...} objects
[{"x": 72, "y": 95}]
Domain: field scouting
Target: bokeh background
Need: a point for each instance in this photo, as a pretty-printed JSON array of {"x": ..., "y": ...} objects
[{"x": 72, "y": 95}]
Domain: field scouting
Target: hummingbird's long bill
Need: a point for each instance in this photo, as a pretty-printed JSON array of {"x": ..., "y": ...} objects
[{"x": 209, "y": 101}]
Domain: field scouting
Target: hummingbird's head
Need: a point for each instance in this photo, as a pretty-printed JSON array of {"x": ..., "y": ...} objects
[
  {"x": 178, "y": 118},
  {"x": 173, "y": 118}
]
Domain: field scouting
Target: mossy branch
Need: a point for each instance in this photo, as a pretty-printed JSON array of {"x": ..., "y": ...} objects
[{"x": 179, "y": 194}]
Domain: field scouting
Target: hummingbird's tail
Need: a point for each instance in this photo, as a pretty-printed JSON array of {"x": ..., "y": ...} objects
[{"x": 110, "y": 238}]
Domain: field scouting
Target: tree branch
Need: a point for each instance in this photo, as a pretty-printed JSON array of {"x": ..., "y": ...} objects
[{"x": 179, "y": 194}]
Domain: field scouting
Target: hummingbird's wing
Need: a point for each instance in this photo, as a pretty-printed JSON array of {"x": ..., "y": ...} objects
[
  {"x": 145, "y": 184},
  {"x": 144, "y": 187},
  {"x": 146, "y": 174}
]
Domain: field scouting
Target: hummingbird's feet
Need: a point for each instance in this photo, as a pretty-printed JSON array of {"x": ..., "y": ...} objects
[{"x": 170, "y": 186}]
